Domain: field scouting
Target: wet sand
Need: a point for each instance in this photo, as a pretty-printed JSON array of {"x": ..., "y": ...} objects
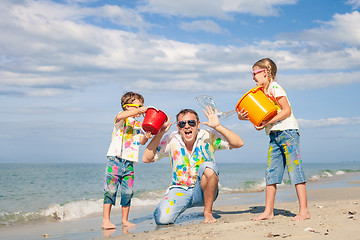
[
  {"x": 334, "y": 204},
  {"x": 335, "y": 214}
]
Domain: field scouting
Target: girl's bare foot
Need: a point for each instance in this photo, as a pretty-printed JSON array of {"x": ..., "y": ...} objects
[
  {"x": 301, "y": 216},
  {"x": 128, "y": 224},
  {"x": 264, "y": 216},
  {"x": 108, "y": 225},
  {"x": 209, "y": 218}
]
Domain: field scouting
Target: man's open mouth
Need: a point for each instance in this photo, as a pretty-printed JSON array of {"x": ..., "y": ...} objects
[{"x": 188, "y": 133}]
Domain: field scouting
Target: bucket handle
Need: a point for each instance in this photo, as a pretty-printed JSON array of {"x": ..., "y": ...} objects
[
  {"x": 254, "y": 90},
  {"x": 153, "y": 108}
]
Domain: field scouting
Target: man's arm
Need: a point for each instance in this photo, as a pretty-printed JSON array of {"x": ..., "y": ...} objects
[
  {"x": 150, "y": 150},
  {"x": 233, "y": 139}
]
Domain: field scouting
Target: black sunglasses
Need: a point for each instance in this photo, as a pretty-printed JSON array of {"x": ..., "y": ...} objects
[{"x": 182, "y": 124}]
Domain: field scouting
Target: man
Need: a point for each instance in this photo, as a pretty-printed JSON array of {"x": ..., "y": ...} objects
[{"x": 194, "y": 172}]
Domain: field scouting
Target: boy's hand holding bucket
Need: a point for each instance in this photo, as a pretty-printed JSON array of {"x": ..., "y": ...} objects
[{"x": 154, "y": 120}]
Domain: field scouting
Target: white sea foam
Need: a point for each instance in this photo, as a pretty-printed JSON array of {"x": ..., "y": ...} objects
[
  {"x": 73, "y": 210},
  {"x": 136, "y": 202},
  {"x": 315, "y": 177},
  {"x": 326, "y": 174},
  {"x": 340, "y": 172},
  {"x": 83, "y": 208}
]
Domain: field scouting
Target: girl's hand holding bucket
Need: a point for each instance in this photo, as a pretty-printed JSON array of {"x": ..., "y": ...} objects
[
  {"x": 242, "y": 114},
  {"x": 257, "y": 105}
]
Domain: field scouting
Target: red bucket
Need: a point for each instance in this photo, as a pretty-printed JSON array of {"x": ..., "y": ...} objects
[{"x": 153, "y": 120}]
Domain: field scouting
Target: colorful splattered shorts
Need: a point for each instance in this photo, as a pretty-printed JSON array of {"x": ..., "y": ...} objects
[
  {"x": 284, "y": 152},
  {"x": 178, "y": 199},
  {"x": 118, "y": 172}
]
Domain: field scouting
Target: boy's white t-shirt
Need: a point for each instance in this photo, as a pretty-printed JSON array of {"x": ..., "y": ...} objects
[
  {"x": 125, "y": 140},
  {"x": 275, "y": 91}
]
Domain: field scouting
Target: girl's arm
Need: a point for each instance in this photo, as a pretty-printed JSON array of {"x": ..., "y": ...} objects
[
  {"x": 242, "y": 115},
  {"x": 284, "y": 112}
]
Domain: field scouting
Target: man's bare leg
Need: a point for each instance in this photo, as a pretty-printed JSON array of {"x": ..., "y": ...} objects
[
  {"x": 209, "y": 183},
  {"x": 269, "y": 204}
]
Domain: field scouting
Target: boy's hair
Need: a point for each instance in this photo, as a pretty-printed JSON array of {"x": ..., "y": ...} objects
[
  {"x": 130, "y": 97},
  {"x": 185, "y": 111},
  {"x": 268, "y": 64}
]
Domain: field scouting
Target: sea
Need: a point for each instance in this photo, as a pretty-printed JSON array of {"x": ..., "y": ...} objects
[{"x": 33, "y": 193}]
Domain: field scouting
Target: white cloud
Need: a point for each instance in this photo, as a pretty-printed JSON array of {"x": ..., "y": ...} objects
[
  {"x": 202, "y": 25},
  {"x": 329, "y": 122},
  {"x": 120, "y": 16},
  {"x": 216, "y": 8},
  {"x": 319, "y": 80},
  {"x": 354, "y": 3},
  {"x": 185, "y": 8},
  {"x": 343, "y": 28},
  {"x": 258, "y": 8},
  {"x": 64, "y": 52}
]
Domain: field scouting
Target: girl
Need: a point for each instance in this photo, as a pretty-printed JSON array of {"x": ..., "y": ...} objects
[{"x": 284, "y": 142}]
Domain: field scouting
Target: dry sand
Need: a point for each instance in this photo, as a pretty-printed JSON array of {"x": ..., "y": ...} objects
[{"x": 335, "y": 214}]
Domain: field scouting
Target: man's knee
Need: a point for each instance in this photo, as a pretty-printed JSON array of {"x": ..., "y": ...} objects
[
  {"x": 208, "y": 169},
  {"x": 209, "y": 173},
  {"x": 161, "y": 218}
]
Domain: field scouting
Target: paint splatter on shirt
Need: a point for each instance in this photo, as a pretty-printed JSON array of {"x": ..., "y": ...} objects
[
  {"x": 125, "y": 139},
  {"x": 185, "y": 165}
]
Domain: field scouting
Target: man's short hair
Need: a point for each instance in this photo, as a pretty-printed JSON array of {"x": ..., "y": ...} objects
[{"x": 185, "y": 111}]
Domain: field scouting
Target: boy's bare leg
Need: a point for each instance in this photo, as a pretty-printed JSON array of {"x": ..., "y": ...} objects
[
  {"x": 303, "y": 210},
  {"x": 106, "y": 224},
  {"x": 125, "y": 214},
  {"x": 209, "y": 183},
  {"x": 269, "y": 204}
]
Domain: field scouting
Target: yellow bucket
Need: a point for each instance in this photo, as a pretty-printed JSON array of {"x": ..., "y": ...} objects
[{"x": 258, "y": 106}]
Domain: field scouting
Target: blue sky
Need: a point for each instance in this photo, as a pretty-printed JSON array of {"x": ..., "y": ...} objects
[{"x": 64, "y": 66}]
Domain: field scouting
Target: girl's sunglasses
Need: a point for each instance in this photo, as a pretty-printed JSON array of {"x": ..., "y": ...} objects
[
  {"x": 133, "y": 105},
  {"x": 182, "y": 124},
  {"x": 257, "y": 71}
]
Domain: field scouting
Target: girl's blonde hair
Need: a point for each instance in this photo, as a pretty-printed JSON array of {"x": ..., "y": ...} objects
[{"x": 269, "y": 65}]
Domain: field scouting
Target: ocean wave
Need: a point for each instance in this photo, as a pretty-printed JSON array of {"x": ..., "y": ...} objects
[
  {"x": 330, "y": 173},
  {"x": 84, "y": 208},
  {"x": 70, "y": 211},
  {"x": 245, "y": 187},
  {"x": 73, "y": 210}
]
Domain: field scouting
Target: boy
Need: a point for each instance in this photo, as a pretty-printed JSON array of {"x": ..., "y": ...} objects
[{"x": 123, "y": 152}]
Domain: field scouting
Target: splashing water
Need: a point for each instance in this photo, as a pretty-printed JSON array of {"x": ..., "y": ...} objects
[{"x": 205, "y": 101}]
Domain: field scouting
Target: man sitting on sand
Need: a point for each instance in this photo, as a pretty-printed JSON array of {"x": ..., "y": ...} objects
[{"x": 194, "y": 172}]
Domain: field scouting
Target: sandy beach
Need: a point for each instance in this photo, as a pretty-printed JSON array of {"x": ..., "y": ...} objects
[
  {"x": 334, "y": 204},
  {"x": 335, "y": 214}
]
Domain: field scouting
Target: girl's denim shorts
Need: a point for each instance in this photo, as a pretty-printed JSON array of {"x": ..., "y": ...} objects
[{"x": 284, "y": 153}]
